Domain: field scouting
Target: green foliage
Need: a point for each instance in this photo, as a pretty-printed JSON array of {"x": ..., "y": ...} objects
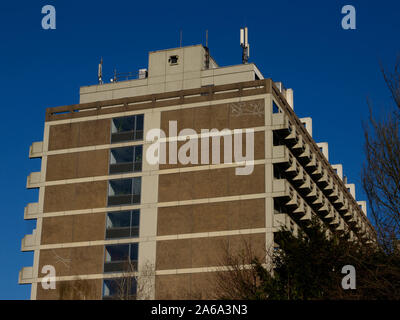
[{"x": 308, "y": 267}]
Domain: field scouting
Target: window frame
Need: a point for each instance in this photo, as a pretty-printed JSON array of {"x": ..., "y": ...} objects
[{"x": 131, "y": 194}]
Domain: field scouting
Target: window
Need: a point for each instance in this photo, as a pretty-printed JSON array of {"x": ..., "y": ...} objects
[
  {"x": 275, "y": 108},
  {"x": 173, "y": 60},
  {"x": 126, "y": 159},
  {"x": 127, "y": 128},
  {"x": 119, "y": 288},
  {"x": 122, "y": 224},
  {"x": 121, "y": 258},
  {"x": 124, "y": 191}
]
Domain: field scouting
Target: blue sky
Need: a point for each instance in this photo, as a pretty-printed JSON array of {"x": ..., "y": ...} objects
[{"x": 301, "y": 43}]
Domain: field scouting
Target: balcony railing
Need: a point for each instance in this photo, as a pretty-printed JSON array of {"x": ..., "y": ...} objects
[
  {"x": 28, "y": 242},
  {"x": 33, "y": 180},
  {"x": 31, "y": 210},
  {"x": 124, "y": 199},
  {"x": 122, "y": 232},
  {"x": 36, "y": 150},
  {"x": 120, "y": 266},
  {"x": 25, "y": 275}
]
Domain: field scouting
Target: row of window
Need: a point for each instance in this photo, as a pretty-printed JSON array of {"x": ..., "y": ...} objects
[
  {"x": 120, "y": 258},
  {"x": 123, "y": 224}
]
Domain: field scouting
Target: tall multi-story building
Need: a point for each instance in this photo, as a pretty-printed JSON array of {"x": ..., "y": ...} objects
[{"x": 103, "y": 202}]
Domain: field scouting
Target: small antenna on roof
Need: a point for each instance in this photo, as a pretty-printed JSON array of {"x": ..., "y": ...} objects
[
  {"x": 207, "y": 61},
  {"x": 180, "y": 40},
  {"x": 100, "y": 71},
  {"x": 244, "y": 43}
]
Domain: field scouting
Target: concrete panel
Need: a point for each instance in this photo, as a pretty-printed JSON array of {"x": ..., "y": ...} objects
[
  {"x": 72, "y": 290},
  {"x": 75, "y": 196}
]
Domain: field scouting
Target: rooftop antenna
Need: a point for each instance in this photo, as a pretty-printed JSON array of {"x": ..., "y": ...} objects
[
  {"x": 207, "y": 62},
  {"x": 244, "y": 43},
  {"x": 180, "y": 40},
  {"x": 100, "y": 71}
]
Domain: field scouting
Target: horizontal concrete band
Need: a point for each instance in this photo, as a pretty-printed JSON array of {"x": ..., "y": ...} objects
[
  {"x": 145, "y": 142},
  {"x": 154, "y": 238},
  {"x": 158, "y": 109},
  {"x": 153, "y": 172},
  {"x": 157, "y": 273},
  {"x": 154, "y": 205},
  {"x": 160, "y": 100}
]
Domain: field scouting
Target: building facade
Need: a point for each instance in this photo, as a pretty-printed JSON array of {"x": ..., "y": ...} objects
[{"x": 102, "y": 202}]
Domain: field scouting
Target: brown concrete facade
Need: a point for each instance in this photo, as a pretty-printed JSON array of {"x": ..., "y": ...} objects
[
  {"x": 75, "y": 196},
  {"x": 192, "y": 253},
  {"x": 79, "y": 134},
  {"x": 77, "y": 165},
  {"x": 73, "y": 290},
  {"x": 67, "y": 191},
  {"x": 73, "y": 228},
  {"x": 209, "y": 217},
  {"x": 209, "y": 184}
]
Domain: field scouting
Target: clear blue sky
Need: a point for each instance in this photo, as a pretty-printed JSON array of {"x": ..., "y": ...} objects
[{"x": 301, "y": 43}]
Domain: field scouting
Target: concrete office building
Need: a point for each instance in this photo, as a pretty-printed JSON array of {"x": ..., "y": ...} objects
[{"x": 102, "y": 202}]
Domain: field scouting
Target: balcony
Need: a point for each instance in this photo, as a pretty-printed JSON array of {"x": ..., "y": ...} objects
[
  {"x": 312, "y": 164},
  {"x": 293, "y": 136},
  {"x": 28, "y": 243},
  {"x": 341, "y": 226},
  {"x": 317, "y": 173},
  {"x": 31, "y": 211},
  {"x": 335, "y": 219},
  {"x": 282, "y": 220},
  {"x": 299, "y": 147},
  {"x": 280, "y": 120},
  {"x": 307, "y": 184},
  {"x": 290, "y": 201},
  {"x": 308, "y": 213},
  {"x": 36, "y": 150},
  {"x": 306, "y": 154},
  {"x": 25, "y": 275},
  {"x": 33, "y": 180},
  {"x": 334, "y": 195},
  {"x": 345, "y": 205},
  {"x": 304, "y": 165}
]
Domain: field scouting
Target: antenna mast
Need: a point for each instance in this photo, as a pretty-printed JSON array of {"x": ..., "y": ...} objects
[
  {"x": 100, "y": 71},
  {"x": 207, "y": 62},
  {"x": 244, "y": 43}
]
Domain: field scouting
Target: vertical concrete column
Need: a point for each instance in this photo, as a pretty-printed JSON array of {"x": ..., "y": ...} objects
[
  {"x": 289, "y": 97},
  {"x": 148, "y": 215},
  {"x": 39, "y": 220},
  {"x": 269, "y": 176}
]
